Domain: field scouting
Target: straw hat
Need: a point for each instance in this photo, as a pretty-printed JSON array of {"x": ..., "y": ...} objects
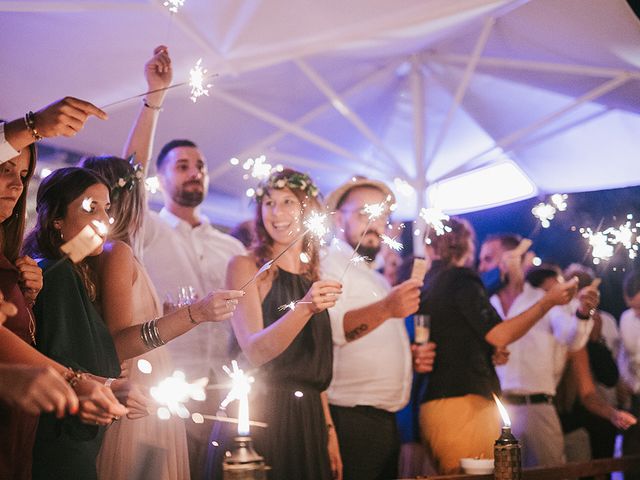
[{"x": 339, "y": 193}]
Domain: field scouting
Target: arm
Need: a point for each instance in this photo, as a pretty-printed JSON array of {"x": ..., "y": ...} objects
[
  {"x": 589, "y": 396},
  {"x": 261, "y": 344},
  {"x": 65, "y": 117},
  {"x": 158, "y": 74},
  {"x": 332, "y": 440},
  {"x": 568, "y": 329},
  {"x": 116, "y": 271},
  {"x": 511, "y": 330},
  {"x": 402, "y": 300}
]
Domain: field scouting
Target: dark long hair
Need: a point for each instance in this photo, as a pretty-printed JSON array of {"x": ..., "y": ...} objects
[
  {"x": 12, "y": 229},
  {"x": 128, "y": 198},
  {"x": 263, "y": 243}
]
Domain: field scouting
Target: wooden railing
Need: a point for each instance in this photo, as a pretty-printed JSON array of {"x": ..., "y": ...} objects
[{"x": 594, "y": 468}]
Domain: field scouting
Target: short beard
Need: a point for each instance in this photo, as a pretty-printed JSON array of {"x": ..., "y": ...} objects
[
  {"x": 368, "y": 252},
  {"x": 188, "y": 199}
]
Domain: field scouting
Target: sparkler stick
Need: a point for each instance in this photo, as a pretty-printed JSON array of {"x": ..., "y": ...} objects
[{"x": 175, "y": 85}]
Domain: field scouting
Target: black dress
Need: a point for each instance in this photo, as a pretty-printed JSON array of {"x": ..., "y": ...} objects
[
  {"x": 17, "y": 428},
  {"x": 294, "y": 444},
  {"x": 71, "y": 331}
]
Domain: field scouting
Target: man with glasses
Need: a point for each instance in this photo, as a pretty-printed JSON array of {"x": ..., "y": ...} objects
[{"x": 372, "y": 355}]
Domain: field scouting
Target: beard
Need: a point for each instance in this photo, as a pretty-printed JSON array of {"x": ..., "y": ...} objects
[
  {"x": 188, "y": 198},
  {"x": 368, "y": 251}
]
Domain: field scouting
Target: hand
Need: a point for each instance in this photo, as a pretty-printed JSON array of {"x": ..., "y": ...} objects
[
  {"x": 7, "y": 309},
  {"x": 500, "y": 355},
  {"x": 423, "y": 357},
  {"x": 561, "y": 293},
  {"x": 124, "y": 370},
  {"x": 589, "y": 298},
  {"x": 334, "y": 454},
  {"x": 158, "y": 73},
  {"x": 133, "y": 396},
  {"x": 98, "y": 404},
  {"x": 65, "y": 117},
  {"x": 30, "y": 278},
  {"x": 323, "y": 294},
  {"x": 37, "y": 390},
  {"x": 217, "y": 306},
  {"x": 622, "y": 420},
  {"x": 511, "y": 266},
  {"x": 403, "y": 299}
]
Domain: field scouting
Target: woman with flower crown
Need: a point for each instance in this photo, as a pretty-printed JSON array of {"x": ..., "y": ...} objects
[{"x": 283, "y": 327}]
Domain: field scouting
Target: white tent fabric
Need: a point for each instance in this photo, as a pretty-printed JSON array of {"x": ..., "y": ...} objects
[{"x": 421, "y": 91}]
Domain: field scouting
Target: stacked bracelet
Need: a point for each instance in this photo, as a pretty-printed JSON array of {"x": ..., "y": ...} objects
[
  {"x": 30, "y": 122},
  {"x": 152, "y": 107},
  {"x": 150, "y": 334}
]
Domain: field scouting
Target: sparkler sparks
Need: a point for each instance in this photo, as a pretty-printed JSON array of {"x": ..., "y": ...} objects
[
  {"x": 392, "y": 243},
  {"x": 173, "y": 5},
  {"x": 291, "y": 305},
  {"x": 359, "y": 259},
  {"x": 375, "y": 210},
  {"x": 86, "y": 204},
  {"x": 197, "y": 76},
  {"x": 316, "y": 224},
  {"x": 435, "y": 219},
  {"x": 259, "y": 168},
  {"x": 544, "y": 212},
  {"x": 173, "y": 391},
  {"x": 603, "y": 243}
]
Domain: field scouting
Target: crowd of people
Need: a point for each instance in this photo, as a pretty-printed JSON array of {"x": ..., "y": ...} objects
[{"x": 344, "y": 388}]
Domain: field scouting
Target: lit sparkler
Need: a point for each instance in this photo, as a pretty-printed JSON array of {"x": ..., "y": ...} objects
[
  {"x": 240, "y": 388},
  {"x": 258, "y": 167},
  {"x": 559, "y": 200},
  {"x": 544, "y": 212},
  {"x": 392, "y": 243},
  {"x": 197, "y": 76},
  {"x": 86, "y": 204},
  {"x": 435, "y": 218},
  {"x": 601, "y": 249},
  {"x": 359, "y": 259},
  {"x": 375, "y": 210},
  {"x": 174, "y": 391},
  {"x": 173, "y": 5},
  {"x": 291, "y": 305}
]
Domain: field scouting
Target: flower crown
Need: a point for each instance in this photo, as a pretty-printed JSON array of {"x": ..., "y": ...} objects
[
  {"x": 128, "y": 181},
  {"x": 294, "y": 181}
]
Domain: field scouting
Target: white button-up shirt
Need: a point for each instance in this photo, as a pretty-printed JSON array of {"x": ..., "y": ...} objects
[
  {"x": 7, "y": 152},
  {"x": 538, "y": 358},
  {"x": 176, "y": 255},
  {"x": 629, "y": 358},
  {"x": 374, "y": 370}
]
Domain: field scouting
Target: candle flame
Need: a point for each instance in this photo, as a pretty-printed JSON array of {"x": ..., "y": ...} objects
[
  {"x": 240, "y": 388},
  {"x": 503, "y": 411}
]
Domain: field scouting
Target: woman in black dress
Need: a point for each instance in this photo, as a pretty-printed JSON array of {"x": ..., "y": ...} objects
[{"x": 290, "y": 342}]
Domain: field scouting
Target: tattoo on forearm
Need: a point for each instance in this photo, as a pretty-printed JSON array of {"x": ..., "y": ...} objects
[{"x": 356, "y": 332}]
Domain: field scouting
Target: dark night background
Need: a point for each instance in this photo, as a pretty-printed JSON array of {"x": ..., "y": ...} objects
[{"x": 558, "y": 243}]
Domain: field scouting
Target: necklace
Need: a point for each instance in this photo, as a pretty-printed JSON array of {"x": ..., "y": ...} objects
[{"x": 32, "y": 326}]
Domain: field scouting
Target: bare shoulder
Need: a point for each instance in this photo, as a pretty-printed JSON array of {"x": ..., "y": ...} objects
[
  {"x": 242, "y": 263},
  {"x": 117, "y": 250}
]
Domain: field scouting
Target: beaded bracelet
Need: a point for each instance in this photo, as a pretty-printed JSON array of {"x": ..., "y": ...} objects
[{"x": 30, "y": 122}]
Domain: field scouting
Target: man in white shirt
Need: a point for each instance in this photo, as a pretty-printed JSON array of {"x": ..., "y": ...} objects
[
  {"x": 64, "y": 117},
  {"x": 529, "y": 379},
  {"x": 372, "y": 355},
  {"x": 629, "y": 357},
  {"x": 182, "y": 249}
]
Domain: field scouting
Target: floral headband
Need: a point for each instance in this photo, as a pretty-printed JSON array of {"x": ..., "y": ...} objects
[
  {"x": 294, "y": 181},
  {"x": 128, "y": 181}
]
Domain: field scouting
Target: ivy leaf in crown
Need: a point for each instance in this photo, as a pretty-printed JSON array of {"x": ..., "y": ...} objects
[{"x": 130, "y": 180}]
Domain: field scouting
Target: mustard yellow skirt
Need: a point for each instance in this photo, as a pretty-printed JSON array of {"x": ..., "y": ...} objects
[{"x": 459, "y": 427}]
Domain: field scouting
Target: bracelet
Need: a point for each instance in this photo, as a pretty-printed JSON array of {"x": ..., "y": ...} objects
[
  {"x": 150, "y": 334},
  {"x": 73, "y": 377},
  {"x": 191, "y": 319},
  {"x": 30, "y": 122},
  {"x": 152, "y": 107},
  {"x": 108, "y": 382}
]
